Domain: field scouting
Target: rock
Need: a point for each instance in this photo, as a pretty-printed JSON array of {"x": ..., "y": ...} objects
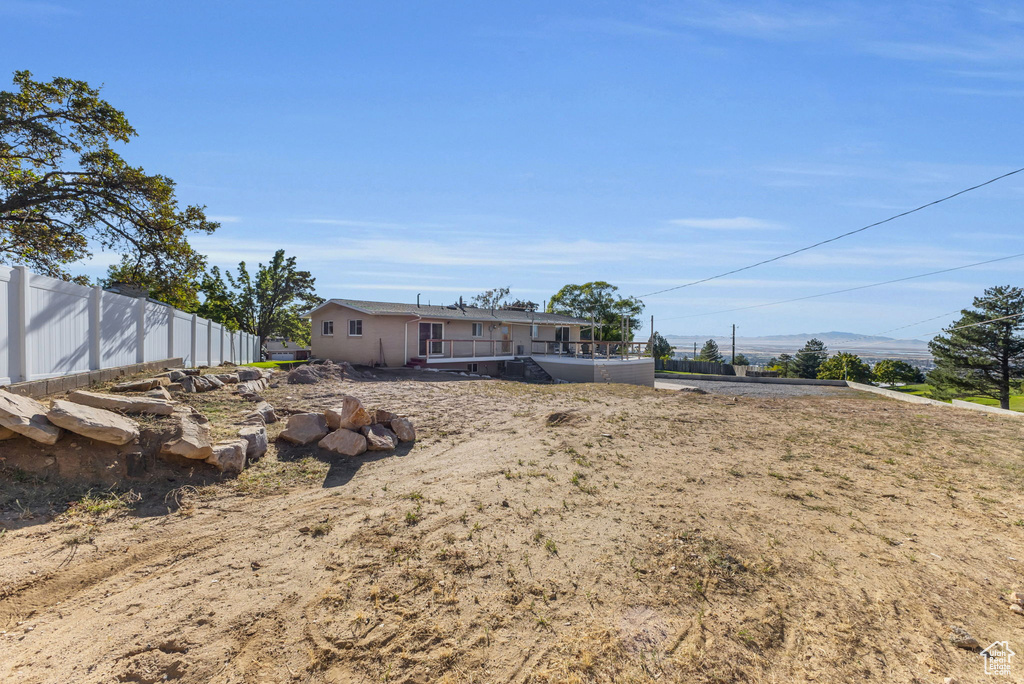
[
  {"x": 214, "y": 381},
  {"x": 94, "y": 423},
  {"x": 264, "y": 413},
  {"x": 349, "y": 415},
  {"x": 175, "y": 387},
  {"x": 245, "y": 374},
  {"x": 176, "y": 375},
  {"x": 27, "y": 417},
  {"x": 153, "y": 405},
  {"x": 229, "y": 457},
  {"x": 160, "y": 393},
  {"x": 202, "y": 383},
  {"x": 344, "y": 442},
  {"x": 7, "y": 434},
  {"x": 403, "y": 429},
  {"x": 950, "y": 680},
  {"x": 228, "y": 378},
  {"x": 379, "y": 438},
  {"x": 190, "y": 371},
  {"x": 304, "y": 428},
  {"x": 303, "y": 375},
  {"x": 256, "y": 441},
  {"x": 381, "y": 416},
  {"x": 1019, "y": 610},
  {"x": 188, "y": 383},
  {"x": 136, "y": 385},
  {"x": 193, "y": 440},
  {"x": 1017, "y": 597},
  {"x": 960, "y": 638}
]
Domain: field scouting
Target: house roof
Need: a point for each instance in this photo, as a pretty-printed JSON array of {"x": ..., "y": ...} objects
[{"x": 468, "y": 313}]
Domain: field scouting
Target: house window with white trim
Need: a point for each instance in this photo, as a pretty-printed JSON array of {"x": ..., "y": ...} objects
[
  {"x": 355, "y": 327},
  {"x": 327, "y": 328},
  {"x": 534, "y": 330},
  {"x": 478, "y": 330}
]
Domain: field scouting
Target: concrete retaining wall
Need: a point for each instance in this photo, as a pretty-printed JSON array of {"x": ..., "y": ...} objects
[
  {"x": 66, "y": 383},
  {"x": 740, "y": 378},
  {"x": 987, "y": 409}
]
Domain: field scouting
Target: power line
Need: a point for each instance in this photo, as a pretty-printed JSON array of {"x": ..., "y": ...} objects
[
  {"x": 837, "y": 237},
  {"x": 957, "y": 327},
  {"x": 849, "y": 289}
]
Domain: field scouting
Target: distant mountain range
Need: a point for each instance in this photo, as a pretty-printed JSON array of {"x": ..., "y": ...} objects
[{"x": 863, "y": 345}]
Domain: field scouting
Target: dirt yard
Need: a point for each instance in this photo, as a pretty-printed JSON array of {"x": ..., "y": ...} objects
[{"x": 570, "y": 533}]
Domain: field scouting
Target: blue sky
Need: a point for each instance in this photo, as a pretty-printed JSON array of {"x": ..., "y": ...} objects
[{"x": 444, "y": 148}]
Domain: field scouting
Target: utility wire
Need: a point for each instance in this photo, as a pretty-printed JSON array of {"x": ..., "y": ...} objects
[
  {"x": 957, "y": 327},
  {"x": 837, "y": 237},
  {"x": 849, "y": 289}
]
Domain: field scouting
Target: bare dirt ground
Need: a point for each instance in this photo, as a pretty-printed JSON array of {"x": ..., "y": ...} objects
[{"x": 639, "y": 535}]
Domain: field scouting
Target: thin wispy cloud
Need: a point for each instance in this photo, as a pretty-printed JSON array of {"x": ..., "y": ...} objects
[
  {"x": 735, "y": 223},
  {"x": 225, "y": 219}
]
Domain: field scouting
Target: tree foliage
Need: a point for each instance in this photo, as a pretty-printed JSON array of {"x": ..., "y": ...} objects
[
  {"x": 844, "y": 366},
  {"x": 784, "y": 366},
  {"x": 267, "y": 304},
  {"x": 491, "y": 299},
  {"x": 64, "y": 190},
  {"x": 710, "y": 352},
  {"x": 892, "y": 371},
  {"x": 986, "y": 359},
  {"x": 660, "y": 347},
  {"x": 598, "y": 300},
  {"x": 740, "y": 360},
  {"x": 809, "y": 359}
]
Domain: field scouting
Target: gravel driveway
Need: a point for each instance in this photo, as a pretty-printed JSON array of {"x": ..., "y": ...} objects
[{"x": 752, "y": 389}]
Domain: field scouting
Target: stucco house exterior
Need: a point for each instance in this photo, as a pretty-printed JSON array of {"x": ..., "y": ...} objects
[{"x": 465, "y": 338}]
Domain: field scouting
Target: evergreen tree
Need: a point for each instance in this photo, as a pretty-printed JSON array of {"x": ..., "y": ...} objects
[
  {"x": 660, "y": 347},
  {"x": 740, "y": 360},
  {"x": 985, "y": 359},
  {"x": 809, "y": 359},
  {"x": 709, "y": 352}
]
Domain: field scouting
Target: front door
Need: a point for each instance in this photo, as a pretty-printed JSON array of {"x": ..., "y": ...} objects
[{"x": 431, "y": 331}]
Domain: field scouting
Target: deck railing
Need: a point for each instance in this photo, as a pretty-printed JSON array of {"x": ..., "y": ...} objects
[
  {"x": 601, "y": 350},
  {"x": 467, "y": 349}
]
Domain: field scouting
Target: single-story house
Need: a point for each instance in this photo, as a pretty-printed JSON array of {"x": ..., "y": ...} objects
[
  {"x": 470, "y": 339},
  {"x": 285, "y": 350}
]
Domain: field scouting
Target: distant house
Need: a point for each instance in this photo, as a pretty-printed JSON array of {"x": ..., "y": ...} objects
[
  {"x": 285, "y": 350},
  {"x": 470, "y": 339}
]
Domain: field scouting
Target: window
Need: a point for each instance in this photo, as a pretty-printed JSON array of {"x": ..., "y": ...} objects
[
  {"x": 562, "y": 333},
  {"x": 355, "y": 327},
  {"x": 327, "y": 327},
  {"x": 478, "y": 330},
  {"x": 534, "y": 330},
  {"x": 471, "y": 367}
]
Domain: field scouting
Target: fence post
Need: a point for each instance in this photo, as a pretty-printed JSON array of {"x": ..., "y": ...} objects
[
  {"x": 209, "y": 343},
  {"x": 222, "y": 359},
  {"x": 170, "y": 332},
  {"x": 140, "y": 330},
  {"x": 21, "y": 327},
  {"x": 192, "y": 358},
  {"x": 95, "y": 312}
]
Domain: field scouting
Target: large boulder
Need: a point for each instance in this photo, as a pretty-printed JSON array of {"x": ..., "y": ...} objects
[
  {"x": 137, "y": 385},
  {"x": 344, "y": 442},
  {"x": 349, "y": 415},
  {"x": 303, "y": 375},
  {"x": 228, "y": 378},
  {"x": 379, "y": 438},
  {"x": 229, "y": 457},
  {"x": 305, "y": 428},
  {"x": 255, "y": 437},
  {"x": 192, "y": 440},
  {"x": 94, "y": 423},
  {"x": 160, "y": 393},
  {"x": 156, "y": 406},
  {"x": 403, "y": 429},
  {"x": 245, "y": 374},
  {"x": 214, "y": 381},
  {"x": 27, "y": 417},
  {"x": 381, "y": 416}
]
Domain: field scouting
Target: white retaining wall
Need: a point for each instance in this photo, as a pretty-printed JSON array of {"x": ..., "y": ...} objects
[{"x": 50, "y": 328}]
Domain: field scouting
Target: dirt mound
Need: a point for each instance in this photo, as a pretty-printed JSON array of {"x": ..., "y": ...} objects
[{"x": 564, "y": 419}]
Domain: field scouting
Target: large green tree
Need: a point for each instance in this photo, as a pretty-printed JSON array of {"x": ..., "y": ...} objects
[
  {"x": 844, "y": 366},
  {"x": 809, "y": 358},
  {"x": 268, "y": 303},
  {"x": 740, "y": 360},
  {"x": 892, "y": 371},
  {"x": 710, "y": 352},
  {"x": 65, "y": 191},
  {"x": 599, "y": 300},
  {"x": 660, "y": 347},
  {"x": 976, "y": 357}
]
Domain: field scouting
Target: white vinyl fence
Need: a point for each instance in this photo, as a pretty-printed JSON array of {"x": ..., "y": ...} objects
[{"x": 49, "y": 328}]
